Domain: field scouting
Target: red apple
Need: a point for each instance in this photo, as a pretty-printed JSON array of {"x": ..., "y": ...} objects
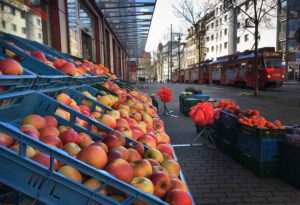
[
  {"x": 161, "y": 182},
  {"x": 108, "y": 120},
  {"x": 120, "y": 169},
  {"x": 49, "y": 131},
  {"x": 72, "y": 148},
  {"x": 102, "y": 145},
  {"x": 112, "y": 141},
  {"x": 148, "y": 140},
  {"x": 171, "y": 166},
  {"x": 124, "y": 152},
  {"x": 64, "y": 98},
  {"x": 59, "y": 63},
  {"x": 154, "y": 154},
  {"x": 136, "y": 134},
  {"x": 178, "y": 184},
  {"x": 119, "y": 135},
  {"x": 139, "y": 147},
  {"x": 153, "y": 162},
  {"x": 94, "y": 156},
  {"x": 52, "y": 141},
  {"x": 165, "y": 148},
  {"x": 143, "y": 184},
  {"x": 122, "y": 123},
  {"x": 35, "y": 120},
  {"x": 45, "y": 160},
  {"x": 68, "y": 68},
  {"x": 113, "y": 155},
  {"x": 71, "y": 173},
  {"x": 133, "y": 155},
  {"x": 178, "y": 197},
  {"x": 70, "y": 136},
  {"x": 85, "y": 109},
  {"x": 10, "y": 67},
  {"x": 50, "y": 121},
  {"x": 39, "y": 55}
]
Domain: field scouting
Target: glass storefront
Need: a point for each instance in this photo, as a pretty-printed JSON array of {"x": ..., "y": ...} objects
[{"x": 26, "y": 19}]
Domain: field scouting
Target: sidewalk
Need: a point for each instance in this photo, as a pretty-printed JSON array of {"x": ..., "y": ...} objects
[{"x": 213, "y": 177}]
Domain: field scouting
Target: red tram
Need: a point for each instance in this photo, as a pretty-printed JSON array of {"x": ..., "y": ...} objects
[{"x": 238, "y": 69}]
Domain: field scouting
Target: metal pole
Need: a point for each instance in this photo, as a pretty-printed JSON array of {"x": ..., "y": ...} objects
[
  {"x": 179, "y": 57},
  {"x": 287, "y": 42},
  {"x": 171, "y": 63}
]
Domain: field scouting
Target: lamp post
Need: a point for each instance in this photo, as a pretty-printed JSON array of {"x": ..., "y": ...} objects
[{"x": 179, "y": 39}]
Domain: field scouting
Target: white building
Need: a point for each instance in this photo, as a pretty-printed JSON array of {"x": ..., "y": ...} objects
[{"x": 226, "y": 32}]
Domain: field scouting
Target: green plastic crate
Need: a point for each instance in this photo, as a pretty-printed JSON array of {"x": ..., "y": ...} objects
[
  {"x": 188, "y": 103},
  {"x": 266, "y": 169}
]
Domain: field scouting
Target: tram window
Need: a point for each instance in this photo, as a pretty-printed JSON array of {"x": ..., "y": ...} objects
[{"x": 273, "y": 63}]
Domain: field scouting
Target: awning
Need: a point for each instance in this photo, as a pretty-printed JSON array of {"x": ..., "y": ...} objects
[{"x": 130, "y": 20}]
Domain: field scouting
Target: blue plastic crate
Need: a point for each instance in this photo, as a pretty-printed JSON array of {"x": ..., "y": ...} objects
[
  {"x": 201, "y": 96},
  {"x": 228, "y": 120},
  {"x": 75, "y": 95},
  {"x": 13, "y": 83},
  {"x": 260, "y": 149}
]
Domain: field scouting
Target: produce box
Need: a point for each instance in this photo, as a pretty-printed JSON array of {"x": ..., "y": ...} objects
[
  {"x": 261, "y": 133},
  {"x": 228, "y": 133},
  {"x": 260, "y": 149},
  {"x": 265, "y": 169},
  {"x": 228, "y": 148},
  {"x": 44, "y": 183},
  {"x": 228, "y": 120},
  {"x": 188, "y": 103},
  {"x": 289, "y": 163},
  {"x": 181, "y": 98},
  {"x": 201, "y": 96}
]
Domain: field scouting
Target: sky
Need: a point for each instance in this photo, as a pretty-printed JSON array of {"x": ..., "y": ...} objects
[{"x": 160, "y": 26}]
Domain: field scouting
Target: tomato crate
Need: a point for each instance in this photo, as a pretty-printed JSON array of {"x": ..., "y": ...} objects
[
  {"x": 289, "y": 163},
  {"x": 261, "y": 133},
  {"x": 44, "y": 183},
  {"x": 260, "y": 149},
  {"x": 228, "y": 120},
  {"x": 262, "y": 169}
]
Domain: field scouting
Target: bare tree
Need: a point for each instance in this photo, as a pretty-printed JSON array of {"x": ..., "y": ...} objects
[
  {"x": 256, "y": 14},
  {"x": 194, "y": 17}
]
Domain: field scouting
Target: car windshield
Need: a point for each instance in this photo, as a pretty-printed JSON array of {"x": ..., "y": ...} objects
[{"x": 273, "y": 63}]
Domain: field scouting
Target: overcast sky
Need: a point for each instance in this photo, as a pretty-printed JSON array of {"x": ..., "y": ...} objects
[{"x": 162, "y": 19}]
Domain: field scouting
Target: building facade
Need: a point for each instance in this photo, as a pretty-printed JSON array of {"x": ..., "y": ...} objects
[{"x": 288, "y": 25}]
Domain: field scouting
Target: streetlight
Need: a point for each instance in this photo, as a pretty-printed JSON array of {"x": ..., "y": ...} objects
[{"x": 179, "y": 39}]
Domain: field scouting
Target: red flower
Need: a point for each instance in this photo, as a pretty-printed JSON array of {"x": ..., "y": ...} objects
[{"x": 165, "y": 94}]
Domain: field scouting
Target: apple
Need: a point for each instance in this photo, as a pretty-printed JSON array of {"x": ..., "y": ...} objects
[
  {"x": 161, "y": 182},
  {"x": 143, "y": 184},
  {"x": 114, "y": 113},
  {"x": 154, "y": 154},
  {"x": 95, "y": 184},
  {"x": 50, "y": 121},
  {"x": 172, "y": 167},
  {"x": 63, "y": 128},
  {"x": 128, "y": 132},
  {"x": 49, "y": 131},
  {"x": 94, "y": 156},
  {"x": 123, "y": 113},
  {"x": 72, "y": 148},
  {"x": 141, "y": 168},
  {"x": 59, "y": 63},
  {"x": 148, "y": 140},
  {"x": 30, "y": 152},
  {"x": 85, "y": 109},
  {"x": 64, "y": 99},
  {"x": 68, "y": 68},
  {"x": 131, "y": 121},
  {"x": 6, "y": 140},
  {"x": 44, "y": 159},
  {"x": 178, "y": 197},
  {"x": 124, "y": 152},
  {"x": 52, "y": 141},
  {"x": 178, "y": 184},
  {"x": 70, "y": 136},
  {"x": 159, "y": 168},
  {"x": 102, "y": 145},
  {"x": 164, "y": 137},
  {"x": 39, "y": 55},
  {"x": 112, "y": 141},
  {"x": 136, "y": 116},
  {"x": 153, "y": 162},
  {"x": 84, "y": 137},
  {"x": 71, "y": 173},
  {"x": 133, "y": 155},
  {"x": 10, "y": 67},
  {"x": 122, "y": 123},
  {"x": 108, "y": 120},
  {"x": 117, "y": 197},
  {"x": 136, "y": 134},
  {"x": 35, "y": 120},
  {"x": 165, "y": 148},
  {"x": 63, "y": 114},
  {"x": 139, "y": 147},
  {"x": 113, "y": 155},
  {"x": 119, "y": 135},
  {"x": 86, "y": 144},
  {"x": 120, "y": 169}
]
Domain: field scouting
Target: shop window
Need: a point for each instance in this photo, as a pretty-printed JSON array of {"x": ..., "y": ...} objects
[
  {"x": 14, "y": 27},
  {"x": 27, "y": 19}
]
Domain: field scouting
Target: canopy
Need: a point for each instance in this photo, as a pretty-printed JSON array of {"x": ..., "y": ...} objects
[{"x": 130, "y": 20}]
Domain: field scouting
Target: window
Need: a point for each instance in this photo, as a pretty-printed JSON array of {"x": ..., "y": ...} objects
[
  {"x": 40, "y": 36},
  {"x": 217, "y": 49},
  {"x": 238, "y": 40},
  {"x": 24, "y": 30},
  {"x": 217, "y": 36},
  {"x": 217, "y": 23},
  {"x": 246, "y": 5},
  {"x": 212, "y": 37},
  {"x": 221, "y": 8},
  {"x": 212, "y": 25},
  {"x": 2, "y": 7},
  {"x": 246, "y": 37},
  {"x": 3, "y": 24},
  {"x": 225, "y": 18},
  {"x": 207, "y": 28},
  {"x": 22, "y": 14},
  {"x": 238, "y": 25},
  {"x": 14, "y": 27},
  {"x": 207, "y": 50},
  {"x": 38, "y": 22},
  {"x": 207, "y": 39},
  {"x": 220, "y": 47},
  {"x": 220, "y": 34},
  {"x": 220, "y": 21},
  {"x": 225, "y": 45},
  {"x": 225, "y": 32},
  {"x": 212, "y": 49},
  {"x": 13, "y": 11}
]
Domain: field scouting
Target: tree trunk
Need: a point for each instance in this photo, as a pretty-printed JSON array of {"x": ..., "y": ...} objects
[
  {"x": 256, "y": 23},
  {"x": 199, "y": 57}
]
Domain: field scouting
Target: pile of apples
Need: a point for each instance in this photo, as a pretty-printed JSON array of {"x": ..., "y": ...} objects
[
  {"x": 72, "y": 68},
  {"x": 153, "y": 171}
]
